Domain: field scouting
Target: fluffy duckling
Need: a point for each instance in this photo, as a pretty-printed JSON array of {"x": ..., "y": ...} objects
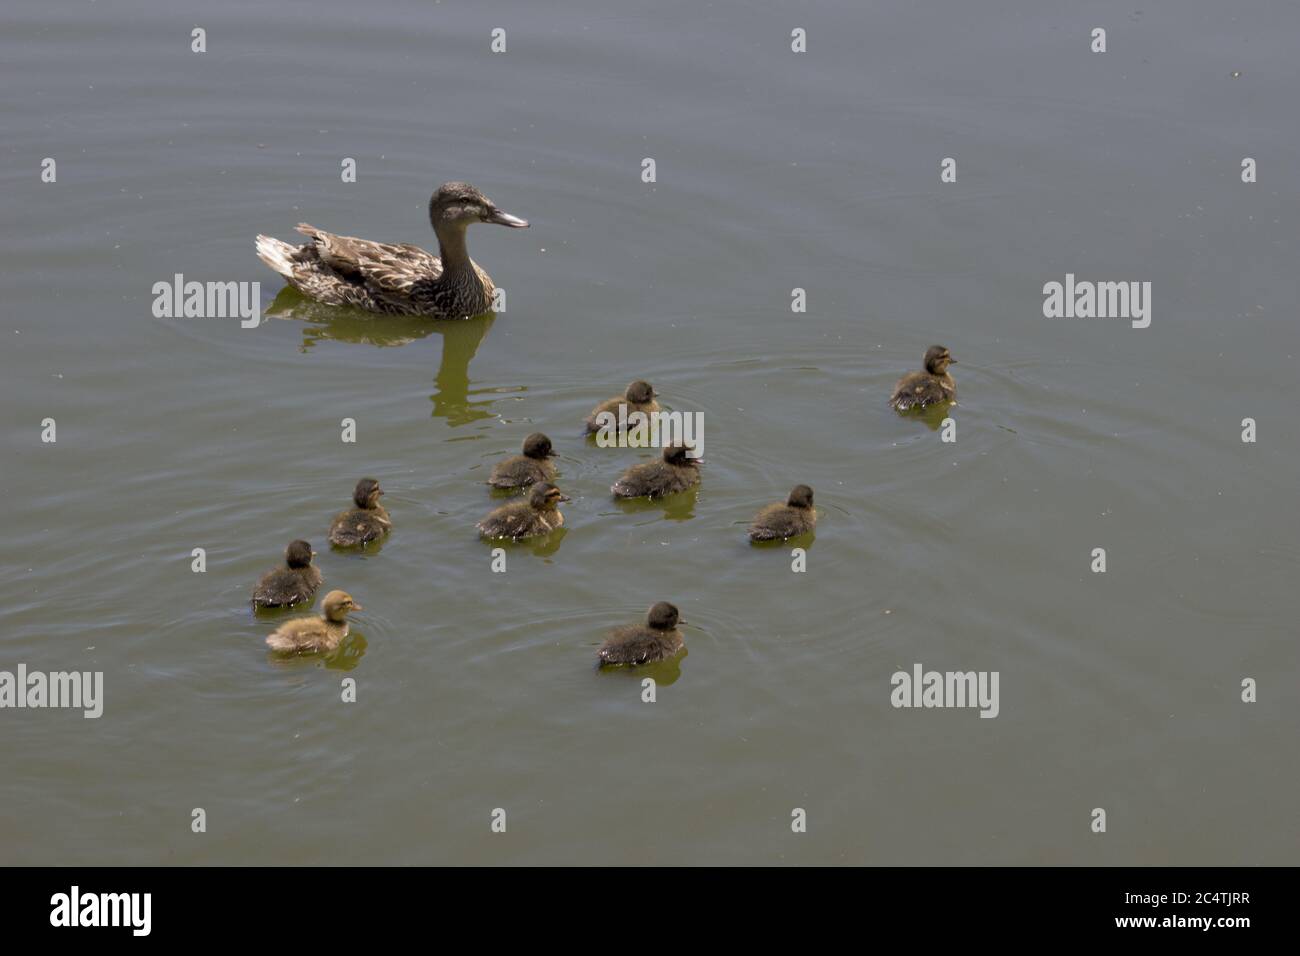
[
  {"x": 639, "y": 397},
  {"x": 658, "y": 639},
  {"x": 293, "y": 584},
  {"x": 676, "y": 472},
  {"x": 364, "y": 523},
  {"x": 934, "y": 384},
  {"x": 520, "y": 471},
  {"x": 780, "y": 521},
  {"x": 309, "y": 635},
  {"x": 540, "y": 514}
]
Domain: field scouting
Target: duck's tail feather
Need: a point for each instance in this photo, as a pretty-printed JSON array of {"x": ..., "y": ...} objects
[
  {"x": 277, "y": 254},
  {"x": 282, "y": 256}
]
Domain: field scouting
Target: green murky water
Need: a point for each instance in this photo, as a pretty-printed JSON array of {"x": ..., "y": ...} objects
[{"x": 775, "y": 171}]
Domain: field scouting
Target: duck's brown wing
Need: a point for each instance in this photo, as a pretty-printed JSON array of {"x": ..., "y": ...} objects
[{"x": 390, "y": 269}]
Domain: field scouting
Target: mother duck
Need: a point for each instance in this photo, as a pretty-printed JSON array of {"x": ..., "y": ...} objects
[{"x": 396, "y": 279}]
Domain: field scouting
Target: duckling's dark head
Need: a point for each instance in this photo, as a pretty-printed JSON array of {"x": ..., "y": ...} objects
[
  {"x": 639, "y": 392},
  {"x": 663, "y": 616},
  {"x": 337, "y": 604},
  {"x": 460, "y": 204},
  {"x": 367, "y": 492},
  {"x": 677, "y": 455},
  {"x": 537, "y": 446},
  {"x": 801, "y": 496},
  {"x": 298, "y": 554},
  {"x": 546, "y": 497},
  {"x": 937, "y": 359}
]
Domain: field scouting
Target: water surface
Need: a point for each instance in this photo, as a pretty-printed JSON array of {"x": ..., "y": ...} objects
[{"x": 775, "y": 171}]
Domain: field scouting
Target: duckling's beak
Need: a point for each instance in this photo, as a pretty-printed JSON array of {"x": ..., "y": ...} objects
[
  {"x": 951, "y": 360},
  {"x": 356, "y": 607},
  {"x": 564, "y": 498},
  {"x": 505, "y": 219}
]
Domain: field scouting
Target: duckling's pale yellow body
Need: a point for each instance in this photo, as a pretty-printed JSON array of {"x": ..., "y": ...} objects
[{"x": 316, "y": 635}]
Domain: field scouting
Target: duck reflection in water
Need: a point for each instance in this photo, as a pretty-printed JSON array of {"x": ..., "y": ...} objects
[
  {"x": 677, "y": 507},
  {"x": 460, "y": 341},
  {"x": 664, "y": 673},
  {"x": 932, "y": 416}
]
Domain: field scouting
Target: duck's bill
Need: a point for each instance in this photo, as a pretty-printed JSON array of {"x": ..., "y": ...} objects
[
  {"x": 505, "y": 219},
  {"x": 357, "y": 607},
  {"x": 564, "y": 498}
]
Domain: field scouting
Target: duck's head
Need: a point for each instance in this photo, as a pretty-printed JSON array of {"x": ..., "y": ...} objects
[
  {"x": 367, "y": 492},
  {"x": 677, "y": 455},
  {"x": 546, "y": 497},
  {"x": 663, "y": 616},
  {"x": 461, "y": 205},
  {"x": 337, "y": 604},
  {"x": 937, "y": 359},
  {"x": 639, "y": 392},
  {"x": 298, "y": 554},
  {"x": 801, "y": 496},
  {"x": 538, "y": 446}
]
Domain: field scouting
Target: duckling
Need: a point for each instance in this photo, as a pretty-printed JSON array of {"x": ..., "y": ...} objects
[
  {"x": 658, "y": 639},
  {"x": 292, "y": 584},
  {"x": 520, "y": 471},
  {"x": 797, "y": 516},
  {"x": 639, "y": 397},
  {"x": 364, "y": 523},
  {"x": 675, "y": 473},
  {"x": 307, "y": 635},
  {"x": 538, "y": 515},
  {"x": 919, "y": 389},
  {"x": 396, "y": 279}
]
